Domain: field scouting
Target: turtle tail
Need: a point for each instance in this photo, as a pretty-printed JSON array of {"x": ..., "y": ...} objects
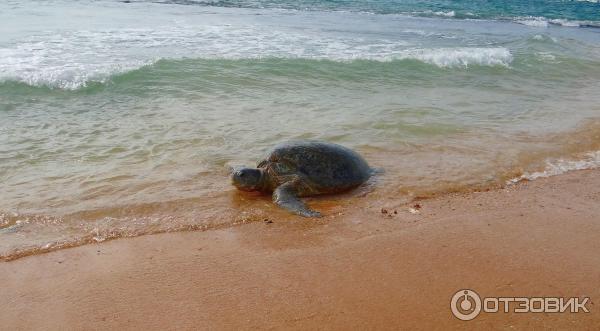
[{"x": 377, "y": 171}]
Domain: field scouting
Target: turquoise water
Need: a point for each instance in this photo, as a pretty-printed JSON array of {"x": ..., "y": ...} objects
[
  {"x": 119, "y": 119},
  {"x": 582, "y": 10}
]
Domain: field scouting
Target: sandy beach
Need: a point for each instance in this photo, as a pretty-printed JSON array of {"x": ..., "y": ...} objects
[
  {"x": 140, "y": 160},
  {"x": 368, "y": 269}
]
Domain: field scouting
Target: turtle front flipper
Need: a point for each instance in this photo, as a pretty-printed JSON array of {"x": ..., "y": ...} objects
[{"x": 285, "y": 196}]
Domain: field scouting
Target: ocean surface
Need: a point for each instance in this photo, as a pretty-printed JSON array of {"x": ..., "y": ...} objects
[{"x": 122, "y": 118}]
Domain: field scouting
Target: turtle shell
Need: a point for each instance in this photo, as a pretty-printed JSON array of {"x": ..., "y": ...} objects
[{"x": 321, "y": 167}]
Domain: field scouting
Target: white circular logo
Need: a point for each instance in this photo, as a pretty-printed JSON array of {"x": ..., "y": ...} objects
[{"x": 465, "y": 305}]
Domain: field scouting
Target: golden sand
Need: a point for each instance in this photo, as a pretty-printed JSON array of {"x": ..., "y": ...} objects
[{"x": 372, "y": 268}]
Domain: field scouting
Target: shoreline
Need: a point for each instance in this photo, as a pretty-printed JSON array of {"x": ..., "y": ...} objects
[
  {"x": 366, "y": 268},
  {"x": 223, "y": 206},
  {"x": 246, "y": 208}
]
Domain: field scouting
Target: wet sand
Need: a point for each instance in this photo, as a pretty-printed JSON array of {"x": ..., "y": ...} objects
[{"x": 366, "y": 269}]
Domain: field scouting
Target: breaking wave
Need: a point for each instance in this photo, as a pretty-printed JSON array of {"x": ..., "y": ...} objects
[
  {"x": 74, "y": 61},
  {"x": 559, "y": 166},
  {"x": 542, "y": 22},
  {"x": 579, "y": 13}
]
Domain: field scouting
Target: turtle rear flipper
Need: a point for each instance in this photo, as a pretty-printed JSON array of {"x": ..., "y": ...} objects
[{"x": 286, "y": 197}]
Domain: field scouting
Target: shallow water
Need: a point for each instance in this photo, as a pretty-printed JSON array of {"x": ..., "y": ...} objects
[{"x": 112, "y": 125}]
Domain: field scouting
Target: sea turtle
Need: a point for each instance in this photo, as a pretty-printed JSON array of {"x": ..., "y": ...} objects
[{"x": 303, "y": 168}]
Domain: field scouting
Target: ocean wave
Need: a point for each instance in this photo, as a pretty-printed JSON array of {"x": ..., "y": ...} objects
[
  {"x": 68, "y": 78},
  {"x": 74, "y": 60},
  {"x": 431, "y": 13},
  {"x": 580, "y": 13},
  {"x": 544, "y": 38},
  {"x": 556, "y": 167},
  {"x": 445, "y": 14},
  {"x": 461, "y": 57},
  {"x": 537, "y": 22},
  {"x": 543, "y": 22}
]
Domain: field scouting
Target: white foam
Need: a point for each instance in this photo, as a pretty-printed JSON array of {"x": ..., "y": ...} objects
[
  {"x": 538, "y": 22},
  {"x": 450, "y": 13},
  {"x": 71, "y": 60},
  {"x": 567, "y": 23},
  {"x": 541, "y": 22},
  {"x": 461, "y": 57},
  {"x": 66, "y": 61},
  {"x": 445, "y": 14},
  {"x": 560, "y": 166}
]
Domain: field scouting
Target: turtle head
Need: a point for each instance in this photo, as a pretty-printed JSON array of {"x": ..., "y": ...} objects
[{"x": 247, "y": 179}]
